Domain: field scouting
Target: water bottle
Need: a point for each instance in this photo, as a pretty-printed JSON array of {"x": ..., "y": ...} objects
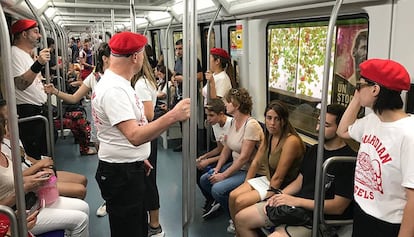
[{"x": 49, "y": 192}]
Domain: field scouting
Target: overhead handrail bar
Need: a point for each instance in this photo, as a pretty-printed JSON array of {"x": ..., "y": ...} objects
[
  {"x": 325, "y": 166},
  {"x": 146, "y": 28},
  {"x": 12, "y": 218},
  {"x": 14, "y": 130},
  {"x": 324, "y": 103},
  {"x": 51, "y": 152},
  {"x": 210, "y": 28},
  {"x": 133, "y": 15}
]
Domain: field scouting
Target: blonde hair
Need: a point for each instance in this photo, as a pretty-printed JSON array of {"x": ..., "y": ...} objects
[{"x": 147, "y": 72}]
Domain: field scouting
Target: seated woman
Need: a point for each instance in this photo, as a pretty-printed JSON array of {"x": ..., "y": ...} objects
[
  {"x": 244, "y": 135},
  {"x": 69, "y": 214},
  {"x": 281, "y": 154},
  {"x": 69, "y": 184}
]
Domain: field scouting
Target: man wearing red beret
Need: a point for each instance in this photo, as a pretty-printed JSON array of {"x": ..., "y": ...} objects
[
  {"x": 124, "y": 134},
  {"x": 30, "y": 97},
  {"x": 384, "y": 173}
]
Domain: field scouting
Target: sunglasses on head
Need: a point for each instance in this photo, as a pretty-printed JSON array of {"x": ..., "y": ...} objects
[{"x": 361, "y": 84}]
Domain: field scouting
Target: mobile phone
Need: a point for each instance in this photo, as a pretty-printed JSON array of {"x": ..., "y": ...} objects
[{"x": 45, "y": 175}]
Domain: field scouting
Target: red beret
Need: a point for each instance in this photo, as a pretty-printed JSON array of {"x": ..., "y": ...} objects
[
  {"x": 22, "y": 25},
  {"x": 125, "y": 43},
  {"x": 220, "y": 52},
  {"x": 387, "y": 73}
]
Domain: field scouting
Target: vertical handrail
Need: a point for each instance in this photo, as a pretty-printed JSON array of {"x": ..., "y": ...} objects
[
  {"x": 167, "y": 75},
  {"x": 189, "y": 127},
  {"x": 12, "y": 218},
  {"x": 58, "y": 79},
  {"x": 210, "y": 28},
  {"x": 51, "y": 152},
  {"x": 14, "y": 132},
  {"x": 133, "y": 15},
  {"x": 146, "y": 28},
  {"x": 185, "y": 127},
  {"x": 321, "y": 135},
  {"x": 113, "y": 21}
]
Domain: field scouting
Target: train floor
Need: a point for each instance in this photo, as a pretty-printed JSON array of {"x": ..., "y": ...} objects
[{"x": 169, "y": 179}]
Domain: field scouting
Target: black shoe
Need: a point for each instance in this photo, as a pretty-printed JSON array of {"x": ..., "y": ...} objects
[
  {"x": 212, "y": 210},
  {"x": 178, "y": 148},
  {"x": 207, "y": 204}
]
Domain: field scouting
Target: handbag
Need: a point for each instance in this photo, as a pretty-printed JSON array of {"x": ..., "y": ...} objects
[{"x": 289, "y": 215}]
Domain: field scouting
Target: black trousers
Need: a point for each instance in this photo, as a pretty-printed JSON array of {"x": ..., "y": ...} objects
[
  {"x": 123, "y": 188},
  {"x": 33, "y": 133},
  {"x": 152, "y": 197},
  {"x": 367, "y": 225}
]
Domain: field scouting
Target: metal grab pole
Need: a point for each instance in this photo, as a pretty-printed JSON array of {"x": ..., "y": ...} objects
[
  {"x": 321, "y": 135},
  {"x": 210, "y": 28},
  {"x": 51, "y": 151},
  {"x": 166, "y": 60},
  {"x": 133, "y": 16},
  {"x": 189, "y": 127},
  {"x": 14, "y": 132}
]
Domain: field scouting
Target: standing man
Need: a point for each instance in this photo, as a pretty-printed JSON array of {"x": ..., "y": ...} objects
[
  {"x": 30, "y": 97},
  {"x": 86, "y": 60},
  {"x": 124, "y": 135},
  {"x": 384, "y": 173},
  {"x": 177, "y": 78}
]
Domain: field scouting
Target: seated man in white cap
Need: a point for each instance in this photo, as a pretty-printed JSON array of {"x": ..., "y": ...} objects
[
  {"x": 124, "y": 134},
  {"x": 384, "y": 173}
]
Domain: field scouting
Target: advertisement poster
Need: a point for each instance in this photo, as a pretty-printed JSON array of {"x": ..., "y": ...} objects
[{"x": 351, "y": 50}]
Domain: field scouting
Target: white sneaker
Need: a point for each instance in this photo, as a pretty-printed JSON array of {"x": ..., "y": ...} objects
[
  {"x": 231, "y": 229},
  {"x": 101, "y": 211}
]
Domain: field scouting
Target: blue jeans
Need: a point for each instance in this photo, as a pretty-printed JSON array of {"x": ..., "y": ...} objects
[{"x": 221, "y": 190}]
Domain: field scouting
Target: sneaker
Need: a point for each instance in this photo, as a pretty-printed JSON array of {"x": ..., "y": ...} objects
[
  {"x": 155, "y": 232},
  {"x": 211, "y": 210},
  {"x": 231, "y": 229},
  {"x": 207, "y": 204},
  {"x": 101, "y": 211}
]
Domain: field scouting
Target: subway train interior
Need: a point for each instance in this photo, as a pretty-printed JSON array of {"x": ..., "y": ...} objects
[{"x": 302, "y": 52}]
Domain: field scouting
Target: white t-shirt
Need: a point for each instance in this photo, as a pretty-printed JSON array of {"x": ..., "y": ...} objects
[
  {"x": 221, "y": 132},
  {"x": 146, "y": 91},
  {"x": 251, "y": 131},
  {"x": 223, "y": 85},
  {"x": 115, "y": 101},
  {"x": 21, "y": 63},
  {"x": 90, "y": 81},
  {"x": 385, "y": 165}
]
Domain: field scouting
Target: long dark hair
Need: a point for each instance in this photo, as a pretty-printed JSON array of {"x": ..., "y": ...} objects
[
  {"x": 282, "y": 111},
  {"x": 103, "y": 50},
  {"x": 228, "y": 67}
]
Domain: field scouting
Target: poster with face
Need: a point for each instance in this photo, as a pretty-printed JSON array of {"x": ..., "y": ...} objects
[{"x": 351, "y": 50}]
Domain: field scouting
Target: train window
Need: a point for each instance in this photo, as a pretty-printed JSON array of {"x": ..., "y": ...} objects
[
  {"x": 177, "y": 35},
  {"x": 233, "y": 47},
  {"x": 156, "y": 47},
  {"x": 296, "y": 55}
]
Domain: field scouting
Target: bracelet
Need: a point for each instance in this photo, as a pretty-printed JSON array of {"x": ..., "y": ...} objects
[
  {"x": 275, "y": 190},
  {"x": 36, "y": 67}
]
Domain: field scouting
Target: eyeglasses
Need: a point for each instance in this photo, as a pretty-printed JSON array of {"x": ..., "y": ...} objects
[{"x": 359, "y": 85}]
